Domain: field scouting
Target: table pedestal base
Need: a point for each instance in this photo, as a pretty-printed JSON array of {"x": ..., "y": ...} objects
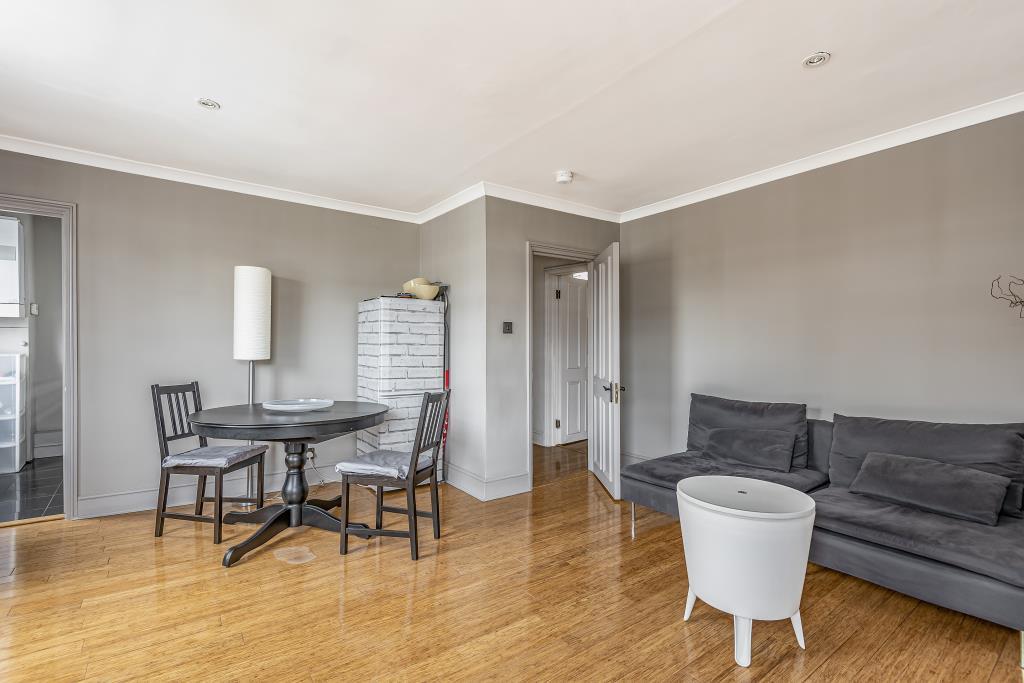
[{"x": 295, "y": 511}]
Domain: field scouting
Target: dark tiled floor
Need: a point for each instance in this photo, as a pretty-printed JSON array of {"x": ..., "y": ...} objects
[{"x": 36, "y": 491}]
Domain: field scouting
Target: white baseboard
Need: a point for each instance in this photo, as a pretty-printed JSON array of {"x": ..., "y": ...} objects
[
  {"x": 48, "y": 444},
  {"x": 489, "y": 489},
  {"x": 466, "y": 481},
  {"x": 182, "y": 492},
  {"x": 47, "y": 451}
]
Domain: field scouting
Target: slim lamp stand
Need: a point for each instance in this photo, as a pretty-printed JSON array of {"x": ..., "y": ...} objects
[{"x": 250, "y": 473}]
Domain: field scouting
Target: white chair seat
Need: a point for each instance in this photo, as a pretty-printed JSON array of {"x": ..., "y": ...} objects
[
  {"x": 393, "y": 464},
  {"x": 214, "y": 456}
]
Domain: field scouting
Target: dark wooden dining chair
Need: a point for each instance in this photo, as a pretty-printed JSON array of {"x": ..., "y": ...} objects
[
  {"x": 398, "y": 470},
  {"x": 172, "y": 406}
]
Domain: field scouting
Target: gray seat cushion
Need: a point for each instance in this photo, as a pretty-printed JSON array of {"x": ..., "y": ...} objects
[
  {"x": 214, "y": 456},
  {"x": 667, "y": 471},
  {"x": 993, "y": 551},
  {"x": 382, "y": 463}
]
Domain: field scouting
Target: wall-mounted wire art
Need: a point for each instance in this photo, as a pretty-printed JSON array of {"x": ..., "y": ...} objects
[{"x": 1011, "y": 292}]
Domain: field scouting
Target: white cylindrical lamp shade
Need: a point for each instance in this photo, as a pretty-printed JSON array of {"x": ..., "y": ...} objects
[{"x": 252, "y": 313}]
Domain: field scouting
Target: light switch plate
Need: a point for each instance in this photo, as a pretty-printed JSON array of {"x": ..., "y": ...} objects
[{"x": 506, "y": 328}]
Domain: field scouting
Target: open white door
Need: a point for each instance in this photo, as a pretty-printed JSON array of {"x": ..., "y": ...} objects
[
  {"x": 603, "y": 441},
  {"x": 573, "y": 376}
]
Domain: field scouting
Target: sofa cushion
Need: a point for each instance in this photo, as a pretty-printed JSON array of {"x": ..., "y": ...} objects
[
  {"x": 1014, "y": 501},
  {"x": 770, "y": 449},
  {"x": 668, "y": 470},
  {"x": 711, "y": 412},
  {"x": 993, "y": 551},
  {"x": 996, "y": 448},
  {"x": 932, "y": 486}
]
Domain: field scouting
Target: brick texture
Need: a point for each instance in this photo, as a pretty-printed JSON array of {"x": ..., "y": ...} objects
[{"x": 401, "y": 356}]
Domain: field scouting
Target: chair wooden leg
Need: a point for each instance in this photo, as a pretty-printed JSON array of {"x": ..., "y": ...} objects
[
  {"x": 380, "y": 507},
  {"x": 200, "y": 493},
  {"x": 344, "y": 514},
  {"x": 218, "y": 506},
  {"x": 259, "y": 483},
  {"x": 161, "y": 503},
  {"x": 435, "y": 509},
  {"x": 410, "y": 495}
]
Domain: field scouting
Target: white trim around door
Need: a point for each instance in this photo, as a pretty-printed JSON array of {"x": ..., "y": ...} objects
[{"x": 68, "y": 215}]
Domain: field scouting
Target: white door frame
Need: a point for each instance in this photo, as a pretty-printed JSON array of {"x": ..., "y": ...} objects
[
  {"x": 553, "y": 358},
  {"x": 68, "y": 215},
  {"x": 557, "y": 251}
]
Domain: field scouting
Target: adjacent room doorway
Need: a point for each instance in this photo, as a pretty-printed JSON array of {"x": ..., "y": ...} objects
[
  {"x": 560, "y": 312},
  {"x": 37, "y": 360},
  {"x": 574, "y": 391}
]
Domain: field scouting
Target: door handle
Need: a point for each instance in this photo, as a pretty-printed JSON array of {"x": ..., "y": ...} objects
[{"x": 607, "y": 388}]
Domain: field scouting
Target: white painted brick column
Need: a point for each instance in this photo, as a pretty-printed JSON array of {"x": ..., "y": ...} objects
[{"x": 401, "y": 356}]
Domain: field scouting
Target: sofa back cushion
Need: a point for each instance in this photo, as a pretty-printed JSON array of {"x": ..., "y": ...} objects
[
  {"x": 932, "y": 486},
  {"x": 770, "y": 449},
  {"x": 994, "y": 448},
  {"x": 711, "y": 412},
  {"x": 819, "y": 443}
]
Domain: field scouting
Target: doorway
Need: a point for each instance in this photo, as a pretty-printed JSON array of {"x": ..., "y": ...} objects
[
  {"x": 37, "y": 351},
  {"x": 559, "y": 312},
  {"x": 549, "y": 455}
]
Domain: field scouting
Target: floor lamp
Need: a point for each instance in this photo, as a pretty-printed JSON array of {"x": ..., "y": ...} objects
[{"x": 252, "y": 329}]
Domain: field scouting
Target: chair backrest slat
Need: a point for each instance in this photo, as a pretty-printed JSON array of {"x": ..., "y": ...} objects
[
  {"x": 171, "y": 409},
  {"x": 430, "y": 428}
]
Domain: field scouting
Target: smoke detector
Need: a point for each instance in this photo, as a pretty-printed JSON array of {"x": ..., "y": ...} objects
[
  {"x": 564, "y": 176},
  {"x": 207, "y": 103},
  {"x": 816, "y": 59}
]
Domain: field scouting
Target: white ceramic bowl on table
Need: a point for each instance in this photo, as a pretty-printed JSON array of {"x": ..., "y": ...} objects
[
  {"x": 746, "y": 543},
  {"x": 298, "y": 405}
]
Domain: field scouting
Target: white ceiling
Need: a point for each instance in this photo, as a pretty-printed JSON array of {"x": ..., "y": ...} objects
[{"x": 401, "y": 104}]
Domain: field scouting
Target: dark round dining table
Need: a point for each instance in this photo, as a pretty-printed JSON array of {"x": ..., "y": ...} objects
[{"x": 297, "y": 431}]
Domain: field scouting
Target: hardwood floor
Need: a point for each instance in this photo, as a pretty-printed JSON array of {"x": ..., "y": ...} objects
[
  {"x": 545, "y": 586},
  {"x": 558, "y": 462}
]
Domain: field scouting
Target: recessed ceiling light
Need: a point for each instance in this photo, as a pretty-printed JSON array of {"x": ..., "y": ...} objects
[
  {"x": 816, "y": 59},
  {"x": 207, "y": 103}
]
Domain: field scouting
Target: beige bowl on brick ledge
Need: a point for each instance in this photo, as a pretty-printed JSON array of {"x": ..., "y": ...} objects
[{"x": 421, "y": 288}]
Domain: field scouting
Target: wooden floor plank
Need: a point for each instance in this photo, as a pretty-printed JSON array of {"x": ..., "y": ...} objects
[{"x": 542, "y": 586}]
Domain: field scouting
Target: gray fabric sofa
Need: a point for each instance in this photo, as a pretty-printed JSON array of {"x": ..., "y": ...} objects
[{"x": 969, "y": 567}]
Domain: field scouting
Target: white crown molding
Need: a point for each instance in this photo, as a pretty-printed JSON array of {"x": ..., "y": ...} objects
[
  {"x": 546, "y": 202},
  {"x": 114, "y": 163},
  {"x": 455, "y": 201},
  {"x": 901, "y": 136},
  {"x": 1006, "y": 106}
]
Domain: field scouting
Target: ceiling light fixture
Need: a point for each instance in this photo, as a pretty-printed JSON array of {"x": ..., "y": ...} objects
[
  {"x": 816, "y": 59},
  {"x": 207, "y": 103},
  {"x": 564, "y": 176}
]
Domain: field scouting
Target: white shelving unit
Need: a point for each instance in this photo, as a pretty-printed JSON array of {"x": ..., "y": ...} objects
[{"x": 13, "y": 444}]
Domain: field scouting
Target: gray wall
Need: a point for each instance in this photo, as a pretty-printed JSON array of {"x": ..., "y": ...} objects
[
  {"x": 155, "y": 263},
  {"x": 480, "y": 249},
  {"x": 860, "y": 288},
  {"x": 454, "y": 251},
  {"x": 509, "y": 226},
  {"x": 46, "y": 334}
]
